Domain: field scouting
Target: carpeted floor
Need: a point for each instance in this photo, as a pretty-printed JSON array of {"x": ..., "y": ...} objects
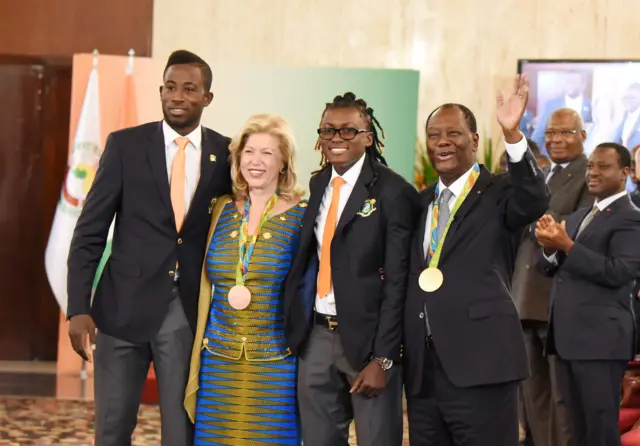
[{"x": 49, "y": 421}]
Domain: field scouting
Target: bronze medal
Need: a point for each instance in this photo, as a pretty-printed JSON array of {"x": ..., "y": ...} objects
[{"x": 239, "y": 297}]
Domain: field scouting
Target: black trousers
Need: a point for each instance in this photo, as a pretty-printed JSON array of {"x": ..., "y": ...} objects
[
  {"x": 591, "y": 390},
  {"x": 445, "y": 415}
]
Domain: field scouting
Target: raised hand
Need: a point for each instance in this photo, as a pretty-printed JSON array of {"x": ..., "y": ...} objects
[{"x": 510, "y": 109}]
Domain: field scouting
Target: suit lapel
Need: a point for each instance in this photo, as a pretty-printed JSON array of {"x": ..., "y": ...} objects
[
  {"x": 583, "y": 214},
  {"x": 484, "y": 180},
  {"x": 546, "y": 170},
  {"x": 358, "y": 196},
  {"x": 424, "y": 223},
  {"x": 208, "y": 162},
  {"x": 158, "y": 162},
  {"x": 318, "y": 186},
  {"x": 567, "y": 174},
  {"x": 602, "y": 217}
]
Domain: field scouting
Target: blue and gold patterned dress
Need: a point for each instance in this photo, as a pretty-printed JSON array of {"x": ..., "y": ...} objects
[{"x": 244, "y": 375}]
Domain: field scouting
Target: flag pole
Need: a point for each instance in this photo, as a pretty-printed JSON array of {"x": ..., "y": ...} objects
[{"x": 132, "y": 55}]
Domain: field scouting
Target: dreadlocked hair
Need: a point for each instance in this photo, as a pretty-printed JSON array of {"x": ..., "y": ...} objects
[{"x": 349, "y": 100}]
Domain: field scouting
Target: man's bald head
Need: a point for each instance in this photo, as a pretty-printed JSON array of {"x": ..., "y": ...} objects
[
  {"x": 565, "y": 135},
  {"x": 568, "y": 114}
]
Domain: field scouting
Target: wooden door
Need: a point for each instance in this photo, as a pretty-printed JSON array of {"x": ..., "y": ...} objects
[{"x": 34, "y": 127}]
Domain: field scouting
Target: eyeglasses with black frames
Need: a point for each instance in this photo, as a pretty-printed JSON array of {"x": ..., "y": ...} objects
[{"x": 346, "y": 133}]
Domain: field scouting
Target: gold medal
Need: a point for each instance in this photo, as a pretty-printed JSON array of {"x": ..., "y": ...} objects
[
  {"x": 239, "y": 297},
  {"x": 430, "y": 280}
]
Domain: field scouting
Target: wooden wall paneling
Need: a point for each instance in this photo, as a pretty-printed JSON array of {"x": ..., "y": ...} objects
[
  {"x": 66, "y": 27},
  {"x": 34, "y": 126}
]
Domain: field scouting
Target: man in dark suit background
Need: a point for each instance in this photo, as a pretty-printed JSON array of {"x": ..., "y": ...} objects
[
  {"x": 565, "y": 177},
  {"x": 463, "y": 344},
  {"x": 346, "y": 289},
  {"x": 574, "y": 98},
  {"x": 158, "y": 181},
  {"x": 594, "y": 259}
]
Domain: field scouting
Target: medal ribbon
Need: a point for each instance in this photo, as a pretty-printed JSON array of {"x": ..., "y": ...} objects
[
  {"x": 435, "y": 247},
  {"x": 246, "y": 243}
]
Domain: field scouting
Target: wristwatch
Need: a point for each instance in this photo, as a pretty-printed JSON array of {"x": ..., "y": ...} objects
[{"x": 385, "y": 363}]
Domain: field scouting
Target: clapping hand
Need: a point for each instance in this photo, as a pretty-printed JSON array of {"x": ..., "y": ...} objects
[{"x": 552, "y": 235}]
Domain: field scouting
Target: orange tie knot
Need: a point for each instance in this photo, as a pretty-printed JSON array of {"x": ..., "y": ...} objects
[{"x": 182, "y": 142}]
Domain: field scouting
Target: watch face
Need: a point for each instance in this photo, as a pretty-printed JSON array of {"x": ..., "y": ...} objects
[{"x": 387, "y": 364}]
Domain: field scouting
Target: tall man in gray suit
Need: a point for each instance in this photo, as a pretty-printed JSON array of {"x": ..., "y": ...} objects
[
  {"x": 564, "y": 138},
  {"x": 157, "y": 180},
  {"x": 594, "y": 259}
]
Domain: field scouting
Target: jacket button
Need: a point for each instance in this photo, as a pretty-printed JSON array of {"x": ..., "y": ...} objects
[
  {"x": 179, "y": 241},
  {"x": 172, "y": 273},
  {"x": 421, "y": 315}
]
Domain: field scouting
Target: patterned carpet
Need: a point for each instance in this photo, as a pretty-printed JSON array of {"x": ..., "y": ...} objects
[{"x": 48, "y": 422}]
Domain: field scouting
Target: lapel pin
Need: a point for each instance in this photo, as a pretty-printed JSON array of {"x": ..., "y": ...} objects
[
  {"x": 368, "y": 207},
  {"x": 212, "y": 158}
]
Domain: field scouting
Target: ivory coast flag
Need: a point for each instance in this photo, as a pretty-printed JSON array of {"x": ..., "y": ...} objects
[
  {"x": 128, "y": 118},
  {"x": 81, "y": 170}
]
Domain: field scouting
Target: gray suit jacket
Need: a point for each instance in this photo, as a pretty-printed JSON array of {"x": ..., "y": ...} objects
[
  {"x": 531, "y": 289},
  {"x": 591, "y": 292}
]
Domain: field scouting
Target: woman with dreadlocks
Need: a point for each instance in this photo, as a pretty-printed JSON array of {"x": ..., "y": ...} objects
[{"x": 345, "y": 292}]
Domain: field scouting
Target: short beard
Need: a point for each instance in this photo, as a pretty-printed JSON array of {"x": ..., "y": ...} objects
[{"x": 191, "y": 121}]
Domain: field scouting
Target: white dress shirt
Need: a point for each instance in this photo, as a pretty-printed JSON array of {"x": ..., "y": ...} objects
[
  {"x": 193, "y": 153},
  {"x": 515, "y": 152},
  {"x": 629, "y": 124},
  {"x": 601, "y": 205},
  {"x": 327, "y": 304}
]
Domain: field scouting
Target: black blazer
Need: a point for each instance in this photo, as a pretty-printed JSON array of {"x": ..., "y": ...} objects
[
  {"x": 474, "y": 323},
  {"x": 369, "y": 265},
  {"x": 131, "y": 184},
  {"x": 591, "y": 316}
]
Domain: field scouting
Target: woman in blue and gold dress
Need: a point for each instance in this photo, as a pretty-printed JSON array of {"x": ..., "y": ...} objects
[{"x": 242, "y": 381}]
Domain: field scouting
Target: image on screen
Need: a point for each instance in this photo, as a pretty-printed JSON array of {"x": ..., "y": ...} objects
[{"x": 605, "y": 93}]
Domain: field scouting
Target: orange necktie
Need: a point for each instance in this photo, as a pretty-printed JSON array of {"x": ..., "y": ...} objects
[
  {"x": 177, "y": 181},
  {"x": 324, "y": 276}
]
